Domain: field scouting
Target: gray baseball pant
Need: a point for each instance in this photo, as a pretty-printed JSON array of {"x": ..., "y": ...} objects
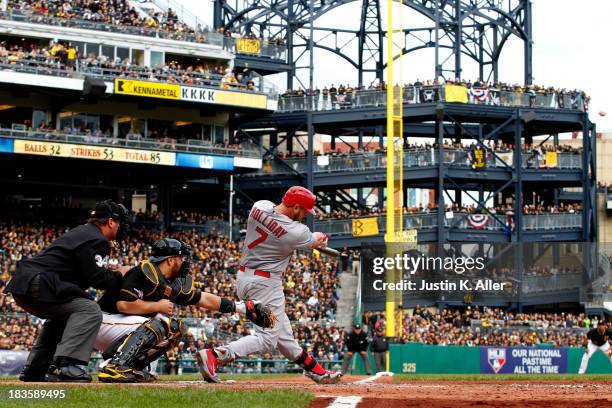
[{"x": 268, "y": 291}]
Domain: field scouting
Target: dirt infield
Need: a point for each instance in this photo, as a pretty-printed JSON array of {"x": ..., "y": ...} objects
[{"x": 386, "y": 392}]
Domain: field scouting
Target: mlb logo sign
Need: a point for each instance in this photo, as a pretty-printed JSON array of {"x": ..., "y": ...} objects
[{"x": 496, "y": 358}]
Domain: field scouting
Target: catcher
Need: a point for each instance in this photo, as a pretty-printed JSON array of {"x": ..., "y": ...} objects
[{"x": 138, "y": 326}]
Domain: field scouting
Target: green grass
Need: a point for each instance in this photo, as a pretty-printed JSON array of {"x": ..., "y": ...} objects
[
  {"x": 113, "y": 396},
  {"x": 500, "y": 377},
  {"x": 198, "y": 377}
]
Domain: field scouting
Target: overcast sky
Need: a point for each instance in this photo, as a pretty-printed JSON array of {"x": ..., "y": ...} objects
[{"x": 572, "y": 40}]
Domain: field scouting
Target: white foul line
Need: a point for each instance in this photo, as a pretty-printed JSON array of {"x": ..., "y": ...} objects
[{"x": 345, "y": 402}]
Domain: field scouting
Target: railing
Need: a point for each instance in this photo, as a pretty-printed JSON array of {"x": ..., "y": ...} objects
[
  {"x": 345, "y": 226},
  {"x": 564, "y": 160},
  {"x": 412, "y": 158},
  {"x": 459, "y": 221},
  {"x": 214, "y": 81},
  {"x": 532, "y": 222},
  {"x": 539, "y": 284},
  {"x": 204, "y": 37},
  {"x": 267, "y": 48},
  {"x": 140, "y": 143},
  {"x": 430, "y": 94},
  {"x": 501, "y": 326},
  {"x": 463, "y": 221}
]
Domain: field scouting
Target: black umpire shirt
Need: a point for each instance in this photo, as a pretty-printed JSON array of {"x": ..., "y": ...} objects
[
  {"x": 599, "y": 339},
  {"x": 379, "y": 344},
  {"x": 72, "y": 263},
  {"x": 357, "y": 342}
]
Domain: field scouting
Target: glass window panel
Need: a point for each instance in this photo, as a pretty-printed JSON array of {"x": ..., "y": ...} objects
[
  {"x": 123, "y": 53},
  {"x": 138, "y": 57},
  {"x": 108, "y": 51},
  {"x": 93, "y": 49},
  {"x": 38, "y": 117},
  {"x": 219, "y": 133},
  {"x": 157, "y": 58}
]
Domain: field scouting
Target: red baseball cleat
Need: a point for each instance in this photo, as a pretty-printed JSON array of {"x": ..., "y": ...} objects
[
  {"x": 208, "y": 365},
  {"x": 330, "y": 377}
]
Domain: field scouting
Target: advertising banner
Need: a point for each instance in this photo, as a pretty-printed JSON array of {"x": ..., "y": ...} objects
[
  {"x": 147, "y": 89},
  {"x": 523, "y": 360},
  {"x": 77, "y": 151},
  {"x": 190, "y": 93},
  {"x": 6, "y": 145},
  {"x": 202, "y": 161}
]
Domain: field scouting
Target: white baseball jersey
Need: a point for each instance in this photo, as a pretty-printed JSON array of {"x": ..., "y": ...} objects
[{"x": 271, "y": 238}]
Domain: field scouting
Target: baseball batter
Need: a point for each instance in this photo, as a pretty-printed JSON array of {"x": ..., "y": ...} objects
[
  {"x": 597, "y": 339},
  {"x": 137, "y": 325},
  {"x": 273, "y": 233}
]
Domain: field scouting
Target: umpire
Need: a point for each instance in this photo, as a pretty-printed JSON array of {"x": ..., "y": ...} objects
[
  {"x": 379, "y": 349},
  {"x": 357, "y": 342},
  {"x": 52, "y": 286}
]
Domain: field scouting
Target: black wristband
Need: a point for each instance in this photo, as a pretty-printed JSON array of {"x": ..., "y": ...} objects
[{"x": 227, "y": 306}]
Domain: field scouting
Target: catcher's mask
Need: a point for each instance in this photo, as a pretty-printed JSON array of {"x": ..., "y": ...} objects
[{"x": 168, "y": 247}]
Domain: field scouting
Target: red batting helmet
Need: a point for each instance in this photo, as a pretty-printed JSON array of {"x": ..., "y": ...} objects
[{"x": 301, "y": 196}]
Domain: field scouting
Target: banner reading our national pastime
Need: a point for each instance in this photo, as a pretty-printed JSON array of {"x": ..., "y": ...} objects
[{"x": 523, "y": 360}]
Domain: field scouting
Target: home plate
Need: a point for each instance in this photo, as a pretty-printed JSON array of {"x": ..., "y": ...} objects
[{"x": 384, "y": 377}]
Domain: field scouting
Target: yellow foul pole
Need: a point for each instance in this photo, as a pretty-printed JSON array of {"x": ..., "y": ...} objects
[{"x": 394, "y": 193}]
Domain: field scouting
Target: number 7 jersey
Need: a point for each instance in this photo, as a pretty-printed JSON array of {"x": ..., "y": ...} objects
[{"x": 271, "y": 238}]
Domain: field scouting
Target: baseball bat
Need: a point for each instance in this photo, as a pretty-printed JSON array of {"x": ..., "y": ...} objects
[{"x": 329, "y": 251}]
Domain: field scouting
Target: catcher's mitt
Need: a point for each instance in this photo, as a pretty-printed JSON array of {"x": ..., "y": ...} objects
[{"x": 260, "y": 314}]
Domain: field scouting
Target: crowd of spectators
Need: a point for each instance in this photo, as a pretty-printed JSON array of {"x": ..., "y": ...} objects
[
  {"x": 477, "y": 92},
  {"x": 122, "y": 16},
  {"x": 162, "y": 139},
  {"x": 489, "y": 154},
  {"x": 569, "y": 208},
  {"x": 311, "y": 283},
  {"x": 500, "y": 147},
  {"x": 109, "y": 15},
  {"x": 195, "y": 217},
  {"x": 63, "y": 59},
  {"x": 311, "y": 290},
  {"x": 474, "y": 326}
]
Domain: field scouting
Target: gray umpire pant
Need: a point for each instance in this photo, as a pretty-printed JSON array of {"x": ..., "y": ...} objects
[
  {"x": 70, "y": 328},
  {"x": 380, "y": 361},
  {"x": 347, "y": 360}
]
